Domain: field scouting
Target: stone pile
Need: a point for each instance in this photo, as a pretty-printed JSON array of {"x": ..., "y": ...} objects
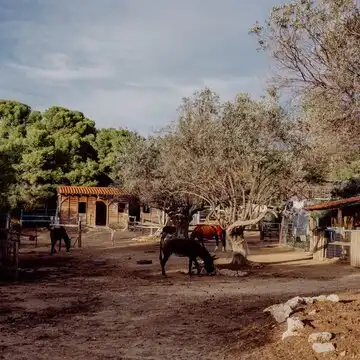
[{"x": 320, "y": 341}]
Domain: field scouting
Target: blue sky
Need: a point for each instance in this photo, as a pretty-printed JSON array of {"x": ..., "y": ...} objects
[{"x": 128, "y": 63}]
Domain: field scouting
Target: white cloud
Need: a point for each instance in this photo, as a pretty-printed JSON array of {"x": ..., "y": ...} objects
[{"x": 128, "y": 62}]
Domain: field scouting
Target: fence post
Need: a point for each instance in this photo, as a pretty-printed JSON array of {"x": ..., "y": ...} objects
[
  {"x": 319, "y": 248},
  {"x": 355, "y": 249},
  {"x": 79, "y": 232}
]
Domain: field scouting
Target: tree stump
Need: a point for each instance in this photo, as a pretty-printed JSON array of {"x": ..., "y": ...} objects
[{"x": 239, "y": 259}]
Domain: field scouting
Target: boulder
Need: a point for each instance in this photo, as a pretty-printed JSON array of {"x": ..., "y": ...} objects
[
  {"x": 294, "y": 324},
  {"x": 320, "y": 298},
  {"x": 320, "y": 337},
  {"x": 308, "y": 300},
  {"x": 280, "y": 312},
  {"x": 323, "y": 347},
  {"x": 295, "y": 302},
  {"x": 288, "y": 333},
  {"x": 333, "y": 298}
]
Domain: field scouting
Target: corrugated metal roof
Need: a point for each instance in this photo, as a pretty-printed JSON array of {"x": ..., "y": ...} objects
[
  {"x": 333, "y": 204},
  {"x": 90, "y": 190}
]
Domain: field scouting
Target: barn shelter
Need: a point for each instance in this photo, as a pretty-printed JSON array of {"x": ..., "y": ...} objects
[
  {"x": 94, "y": 206},
  {"x": 342, "y": 213},
  {"x": 336, "y": 232}
]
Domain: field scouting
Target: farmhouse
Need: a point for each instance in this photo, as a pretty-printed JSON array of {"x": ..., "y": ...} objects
[{"x": 95, "y": 206}]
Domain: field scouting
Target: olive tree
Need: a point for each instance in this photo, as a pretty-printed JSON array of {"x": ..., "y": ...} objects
[
  {"x": 146, "y": 170},
  {"x": 239, "y": 157},
  {"x": 315, "y": 46}
]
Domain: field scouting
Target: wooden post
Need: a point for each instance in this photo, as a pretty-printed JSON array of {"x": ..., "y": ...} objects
[
  {"x": 355, "y": 249},
  {"x": 79, "y": 232},
  {"x": 339, "y": 218},
  {"x": 319, "y": 248},
  {"x": 283, "y": 231},
  {"x": 16, "y": 256},
  {"x": 312, "y": 231},
  {"x": 112, "y": 237}
]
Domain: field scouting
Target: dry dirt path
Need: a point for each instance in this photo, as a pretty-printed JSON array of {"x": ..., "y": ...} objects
[{"x": 73, "y": 309}]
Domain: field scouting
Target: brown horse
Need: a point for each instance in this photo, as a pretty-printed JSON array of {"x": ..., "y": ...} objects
[{"x": 207, "y": 231}]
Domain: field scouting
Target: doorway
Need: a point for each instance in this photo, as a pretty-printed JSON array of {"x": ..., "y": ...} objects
[{"x": 101, "y": 214}]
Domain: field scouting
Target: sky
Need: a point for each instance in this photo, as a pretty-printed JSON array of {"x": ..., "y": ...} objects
[{"x": 128, "y": 63}]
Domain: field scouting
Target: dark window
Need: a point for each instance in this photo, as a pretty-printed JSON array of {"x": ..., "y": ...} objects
[
  {"x": 146, "y": 209},
  {"x": 82, "y": 207},
  {"x": 121, "y": 207}
]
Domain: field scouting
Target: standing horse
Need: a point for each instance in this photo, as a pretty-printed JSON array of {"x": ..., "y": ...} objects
[{"x": 206, "y": 231}]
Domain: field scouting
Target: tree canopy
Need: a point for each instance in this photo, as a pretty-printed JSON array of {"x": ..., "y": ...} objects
[
  {"x": 237, "y": 158},
  {"x": 315, "y": 48},
  {"x": 41, "y": 150}
]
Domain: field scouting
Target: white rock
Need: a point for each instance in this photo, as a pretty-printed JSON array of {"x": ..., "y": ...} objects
[
  {"x": 294, "y": 324},
  {"x": 320, "y": 298},
  {"x": 312, "y": 312},
  {"x": 308, "y": 300},
  {"x": 343, "y": 353},
  {"x": 320, "y": 337},
  {"x": 323, "y": 348},
  {"x": 333, "y": 298},
  {"x": 279, "y": 311},
  {"x": 295, "y": 302},
  {"x": 288, "y": 333}
]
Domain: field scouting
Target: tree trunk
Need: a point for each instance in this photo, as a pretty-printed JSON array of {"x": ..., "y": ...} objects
[
  {"x": 239, "y": 246},
  {"x": 182, "y": 228}
]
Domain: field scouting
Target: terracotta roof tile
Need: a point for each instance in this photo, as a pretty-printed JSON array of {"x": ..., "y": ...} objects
[
  {"x": 333, "y": 204},
  {"x": 90, "y": 190}
]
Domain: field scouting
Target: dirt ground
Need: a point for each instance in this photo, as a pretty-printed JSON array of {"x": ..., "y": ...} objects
[{"x": 70, "y": 306}]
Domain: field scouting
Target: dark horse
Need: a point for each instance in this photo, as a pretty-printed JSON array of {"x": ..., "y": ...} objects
[
  {"x": 167, "y": 230},
  {"x": 207, "y": 231},
  {"x": 56, "y": 234},
  {"x": 188, "y": 248}
]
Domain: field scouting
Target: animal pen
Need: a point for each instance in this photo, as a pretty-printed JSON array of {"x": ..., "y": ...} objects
[{"x": 335, "y": 230}]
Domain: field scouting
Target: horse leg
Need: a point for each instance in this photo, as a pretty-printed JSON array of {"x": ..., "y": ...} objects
[
  {"x": 197, "y": 266},
  {"x": 163, "y": 261},
  {"x": 223, "y": 239},
  {"x": 223, "y": 242},
  {"x": 67, "y": 242},
  {"x": 53, "y": 243},
  {"x": 201, "y": 239},
  {"x": 217, "y": 242},
  {"x": 191, "y": 260}
]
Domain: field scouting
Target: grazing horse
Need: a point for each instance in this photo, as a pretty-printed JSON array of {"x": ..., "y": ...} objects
[
  {"x": 58, "y": 233},
  {"x": 188, "y": 248},
  {"x": 206, "y": 231}
]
